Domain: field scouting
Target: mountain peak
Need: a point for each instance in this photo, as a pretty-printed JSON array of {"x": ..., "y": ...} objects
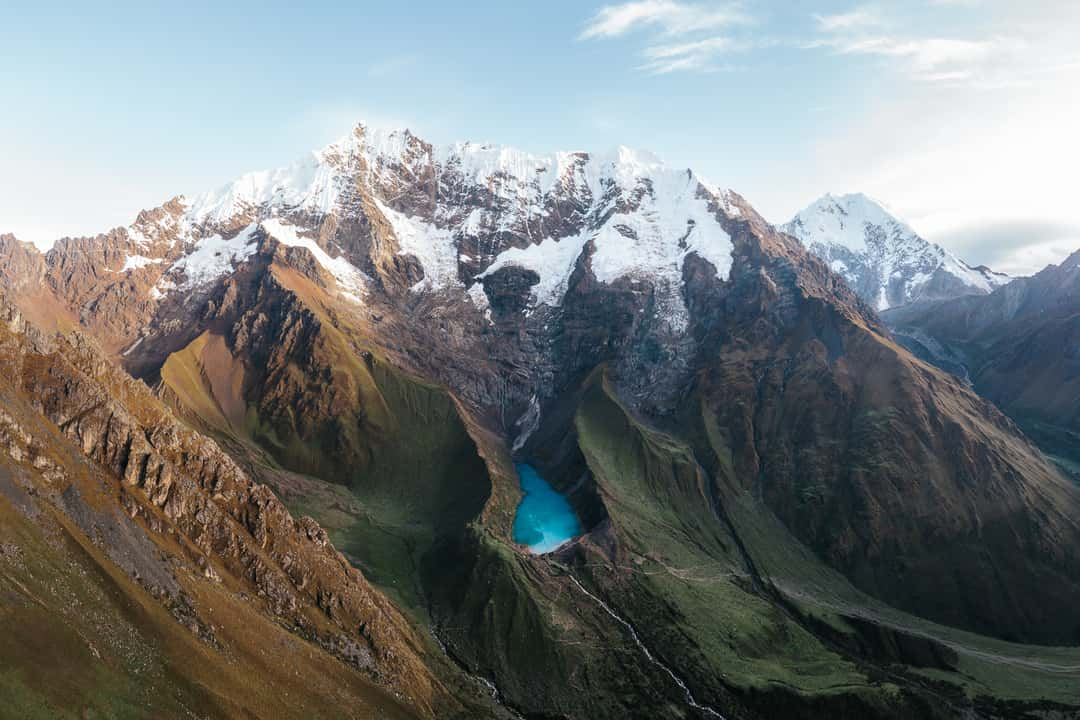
[
  {"x": 858, "y": 198},
  {"x": 883, "y": 259},
  {"x": 482, "y": 160},
  {"x": 843, "y": 218}
]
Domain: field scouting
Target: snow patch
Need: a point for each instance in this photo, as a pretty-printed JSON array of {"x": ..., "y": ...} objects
[
  {"x": 350, "y": 280},
  {"x": 972, "y": 277},
  {"x": 553, "y": 260},
  {"x": 527, "y": 424},
  {"x": 135, "y": 262},
  {"x": 134, "y": 345},
  {"x": 865, "y": 243},
  {"x": 653, "y": 241},
  {"x": 433, "y": 247},
  {"x": 212, "y": 258},
  {"x": 473, "y": 223},
  {"x": 480, "y": 299},
  {"x": 844, "y": 221}
]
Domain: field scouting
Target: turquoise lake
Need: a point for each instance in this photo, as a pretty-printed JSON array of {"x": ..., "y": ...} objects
[{"x": 544, "y": 519}]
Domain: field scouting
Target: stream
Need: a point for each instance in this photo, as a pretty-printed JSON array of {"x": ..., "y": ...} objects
[{"x": 648, "y": 654}]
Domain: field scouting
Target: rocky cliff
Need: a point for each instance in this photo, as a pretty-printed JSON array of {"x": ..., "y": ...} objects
[{"x": 187, "y": 508}]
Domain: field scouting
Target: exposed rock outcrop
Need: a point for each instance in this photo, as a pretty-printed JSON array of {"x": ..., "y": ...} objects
[{"x": 182, "y": 485}]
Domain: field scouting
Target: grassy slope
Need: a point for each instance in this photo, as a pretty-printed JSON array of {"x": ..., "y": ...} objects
[
  {"x": 420, "y": 474},
  {"x": 421, "y": 482},
  {"x": 753, "y": 645},
  {"x": 338, "y": 443},
  {"x": 425, "y": 480},
  {"x": 711, "y": 623},
  {"x": 83, "y": 640},
  {"x": 185, "y": 374}
]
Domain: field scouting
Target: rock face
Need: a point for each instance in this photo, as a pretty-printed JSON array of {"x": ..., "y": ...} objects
[
  {"x": 382, "y": 328},
  {"x": 179, "y": 485},
  {"x": 823, "y": 414},
  {"x": 24, "y": 266},
  {"x": 881, "y": 257}
]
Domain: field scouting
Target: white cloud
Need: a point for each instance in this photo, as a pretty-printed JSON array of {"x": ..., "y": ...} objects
[
  {"x": 1017, "y": 247},
  {"x": 670, "y": 17},
  {"x": 934, "y": 59},
  {"x": 927, "y": 58},
  {"x": 995, "y": 51},
  {"x": 851, "y": 20},
  {"x": 1029, "y": 259},
  {"x": 683, "y": 35},
  {"x": 696, "y": 55}
]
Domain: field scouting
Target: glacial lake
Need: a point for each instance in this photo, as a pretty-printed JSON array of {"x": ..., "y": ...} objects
[{"x": 544, "y": 519}]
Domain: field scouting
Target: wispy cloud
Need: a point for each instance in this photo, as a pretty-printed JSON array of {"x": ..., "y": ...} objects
[
  {"x": 699, "y": 36},
  {"x": 682, "y": 36},
  {"x": 696, "y": 55},
  {"x": 856, "y": 19},
  {"x": 931, "y": 58},
  {"x": 671, "y": 18},
  {"x": 928, "y": 58}
]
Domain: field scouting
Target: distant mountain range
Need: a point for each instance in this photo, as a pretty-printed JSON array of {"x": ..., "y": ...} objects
[
  {"x": 785, "y": 513},
  {"x": 1018, "y": 346}
]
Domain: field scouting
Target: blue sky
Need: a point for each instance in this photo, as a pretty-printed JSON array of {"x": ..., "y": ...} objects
[{"x": 961, "y": 114}]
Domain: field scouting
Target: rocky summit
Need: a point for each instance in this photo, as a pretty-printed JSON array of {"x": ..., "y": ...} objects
[{"x": 279, "y": 426}]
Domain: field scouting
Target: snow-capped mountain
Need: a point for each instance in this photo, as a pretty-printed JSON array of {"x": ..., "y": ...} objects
[
  {"x": 456, "y": 214},
  {"x": 886, "y": 262}
]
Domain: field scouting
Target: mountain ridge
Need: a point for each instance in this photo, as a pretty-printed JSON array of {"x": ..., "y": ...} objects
[{"x": 506, "y": 195}]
